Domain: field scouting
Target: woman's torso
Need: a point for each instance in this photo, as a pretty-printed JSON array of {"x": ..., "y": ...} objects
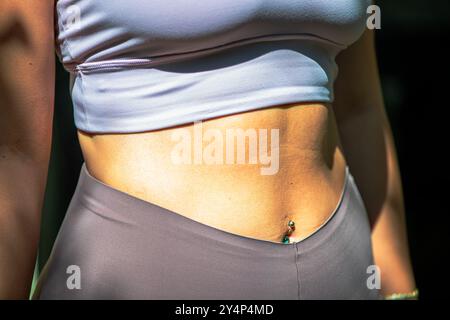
[
  {"x": 239, "y": 196},
  {"x": 147, "y": 66}
]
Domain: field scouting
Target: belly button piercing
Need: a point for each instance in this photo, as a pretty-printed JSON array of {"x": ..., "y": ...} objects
[{"x": 291, "y": 228}]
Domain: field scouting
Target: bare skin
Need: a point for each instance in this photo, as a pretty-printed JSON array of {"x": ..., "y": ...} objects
[
  {"x": 316, "y": 142},
  {"x": 235, "y": 197}
]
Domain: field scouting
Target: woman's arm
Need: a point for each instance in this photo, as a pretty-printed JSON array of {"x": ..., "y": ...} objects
[
  {"x": 26, "y": 113},
  {"x": 370, "y": 151}
]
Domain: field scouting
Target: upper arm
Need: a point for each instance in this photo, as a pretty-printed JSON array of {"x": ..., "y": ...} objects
[
  {"x": 26, "y": 77},
  {"x": 357, "y": 86}
]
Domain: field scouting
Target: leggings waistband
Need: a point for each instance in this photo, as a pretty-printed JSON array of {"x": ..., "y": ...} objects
[{"x": 124, "y": 208}]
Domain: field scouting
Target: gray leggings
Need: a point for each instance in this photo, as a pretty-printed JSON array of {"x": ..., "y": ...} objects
[{"x": 112, "y": 245}]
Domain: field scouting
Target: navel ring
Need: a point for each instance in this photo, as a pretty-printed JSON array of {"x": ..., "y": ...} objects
[{"x": 291, "y": 228}]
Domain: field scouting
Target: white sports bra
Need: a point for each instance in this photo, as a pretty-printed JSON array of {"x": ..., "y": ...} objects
[{"x": 142, "y": 65}]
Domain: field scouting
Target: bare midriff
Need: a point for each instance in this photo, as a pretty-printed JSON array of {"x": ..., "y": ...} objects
[{"x": 255, "y": 198}]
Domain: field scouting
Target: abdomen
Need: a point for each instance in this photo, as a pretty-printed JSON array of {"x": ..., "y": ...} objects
[{"x": 289, "y": 167}]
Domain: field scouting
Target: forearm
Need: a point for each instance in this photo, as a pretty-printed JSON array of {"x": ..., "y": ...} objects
[
  {"x": 22, "y": 184},
  {"x": 370, "y": 150},
  {"x": 389, "y": 236},
  {"x": 26, "y": 113}
]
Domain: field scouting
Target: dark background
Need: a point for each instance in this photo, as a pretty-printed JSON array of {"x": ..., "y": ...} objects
[{"x": 414, "y": 67}]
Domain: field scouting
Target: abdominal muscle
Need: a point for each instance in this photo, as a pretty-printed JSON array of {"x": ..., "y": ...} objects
[{"x": 235, "y": 197}]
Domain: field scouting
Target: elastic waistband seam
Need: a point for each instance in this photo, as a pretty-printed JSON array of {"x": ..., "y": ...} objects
[{"x": 175, "y": 57}]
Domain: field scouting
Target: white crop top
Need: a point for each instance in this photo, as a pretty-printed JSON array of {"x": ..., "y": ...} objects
[{"x": 140, "y": 65}]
